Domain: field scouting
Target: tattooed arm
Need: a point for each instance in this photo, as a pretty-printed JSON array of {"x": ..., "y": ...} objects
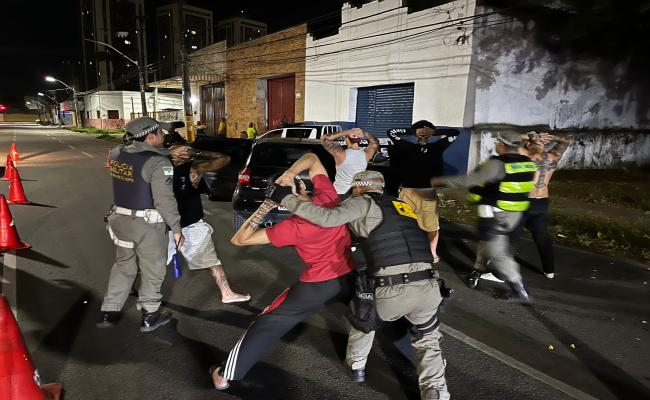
[
  {"x": 206, "y": 161},
  {"x": 373, "y": 145},
  {"x": 561, "y": 144},
  {"x": 249, "y": 233},
  {"x": 331, "y": 143}
]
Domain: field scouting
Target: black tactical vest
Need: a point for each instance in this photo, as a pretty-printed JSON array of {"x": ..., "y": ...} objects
[
  {"x": 397, "y": 239},
  {"x": 511, "y": 192},
  {"x": 129, "y": 189},
  {"x": 188, "y": 198}
]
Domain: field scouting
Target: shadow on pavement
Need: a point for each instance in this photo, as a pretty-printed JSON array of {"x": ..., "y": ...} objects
[
  {"x": 618, "y": 381},
  {"x": 34, "y": 255}
]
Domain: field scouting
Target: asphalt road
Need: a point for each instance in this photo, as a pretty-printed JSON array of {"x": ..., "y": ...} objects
[{"x": 594, "y": 314}]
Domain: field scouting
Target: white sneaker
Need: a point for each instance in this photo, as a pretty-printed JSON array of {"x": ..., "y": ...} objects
[
  {"x": 490, "y": 277},
  {"x": 550, "y": 275}
]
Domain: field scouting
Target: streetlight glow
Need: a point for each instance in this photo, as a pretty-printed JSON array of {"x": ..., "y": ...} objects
[
  {"x": 41, "y": 94},
  {"x": 50, "y": 79}
]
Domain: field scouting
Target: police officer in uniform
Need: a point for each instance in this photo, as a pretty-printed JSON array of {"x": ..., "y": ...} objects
[
  {"x": 400, "y": 262},
  {"x": 500, "y": 186},
  {"x": 144, "y": 205}
]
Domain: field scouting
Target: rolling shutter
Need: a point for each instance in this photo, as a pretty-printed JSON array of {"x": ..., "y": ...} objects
[{"x": 380, "y": 108}]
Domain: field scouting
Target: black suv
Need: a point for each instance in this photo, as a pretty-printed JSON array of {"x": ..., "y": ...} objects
[
  {"x": 268, "y": 159},
  {"x": 220, "y": 185}
]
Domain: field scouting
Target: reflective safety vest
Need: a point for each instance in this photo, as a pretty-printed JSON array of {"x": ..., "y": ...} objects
[
  {"x": 397, "y": 239},
  {"x": 511, "y": 192},
  {"x": 130, "y": 190}
]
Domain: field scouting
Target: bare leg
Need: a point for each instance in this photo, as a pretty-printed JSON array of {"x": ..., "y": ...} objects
[
  {"x": 433, "y": 242},
  {"x": 227, "y": 294}
]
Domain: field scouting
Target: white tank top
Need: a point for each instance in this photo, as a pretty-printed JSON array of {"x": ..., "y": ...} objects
[{"x": 355, "y": 161}]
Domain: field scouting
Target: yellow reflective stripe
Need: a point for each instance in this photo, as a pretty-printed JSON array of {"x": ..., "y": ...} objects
[
  {"x": 513, "y": 205},
  {"x": 516, "y": 187},
  {"x": 474, "y": 198},
  {"x": 513, "y": 168}
]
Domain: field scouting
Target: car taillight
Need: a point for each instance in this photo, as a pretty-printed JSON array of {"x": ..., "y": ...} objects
[{"x": 244, "y": 176}]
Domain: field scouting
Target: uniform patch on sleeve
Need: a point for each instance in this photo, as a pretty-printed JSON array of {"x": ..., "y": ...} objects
[{"x": 168, "y": 171}]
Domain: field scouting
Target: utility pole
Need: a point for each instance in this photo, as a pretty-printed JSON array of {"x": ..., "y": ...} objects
[
  {"x": 83, "y": 44},
  {"x": 185, "y": 71},
  {"x": 141, "y": 66}
]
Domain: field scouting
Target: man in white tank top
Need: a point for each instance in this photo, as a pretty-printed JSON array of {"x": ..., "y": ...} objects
[{"x": 351, "y": 160}]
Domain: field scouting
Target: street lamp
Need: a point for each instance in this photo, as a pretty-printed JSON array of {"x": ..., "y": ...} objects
[
  {"x": 74, "y": 94},
  {"x": 140, "y": 67}
]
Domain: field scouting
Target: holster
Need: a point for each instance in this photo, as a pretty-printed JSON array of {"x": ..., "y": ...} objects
[{"x": 364, "y": 309}]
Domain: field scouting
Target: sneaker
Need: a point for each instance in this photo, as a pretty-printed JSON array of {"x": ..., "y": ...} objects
[
  {"x": 109, "y": 319},
  {"x": 520, "y": 290},
  {"x": 359, "y": 375},
  {"x": 490, "y": 277},
  {"x": 154, "y": 320},
  {"x": 550, "y": 275}
]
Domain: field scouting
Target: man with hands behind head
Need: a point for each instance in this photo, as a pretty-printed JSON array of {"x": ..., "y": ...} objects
[{"x": 351, "y": 160}]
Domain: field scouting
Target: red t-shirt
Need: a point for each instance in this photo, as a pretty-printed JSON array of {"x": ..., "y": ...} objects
[{"x": 326, "y": 251}]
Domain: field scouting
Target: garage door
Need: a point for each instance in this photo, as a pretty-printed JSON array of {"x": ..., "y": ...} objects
[
  {"x": 380, "y": 108},
  {"x": 213, "y": 106}
]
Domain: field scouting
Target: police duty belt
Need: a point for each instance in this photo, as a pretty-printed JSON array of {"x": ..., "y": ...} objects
[{"x": 398, "y": 279}]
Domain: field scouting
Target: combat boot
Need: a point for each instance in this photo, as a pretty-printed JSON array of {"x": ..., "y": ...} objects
[
  {"x": 359, "y": 375},
  {"x": 153, "y": 320},
  {"x": 472, "y": 279},
  {"x": 109, "y": 319}
]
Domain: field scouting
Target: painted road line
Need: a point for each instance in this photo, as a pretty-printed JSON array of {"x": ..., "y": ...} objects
[
  {"x": 518, "y": 365},
  {"x": 89, "y": 155},
  {"x": 9, "y": 280},
  {"x": 72, "y": 147}
]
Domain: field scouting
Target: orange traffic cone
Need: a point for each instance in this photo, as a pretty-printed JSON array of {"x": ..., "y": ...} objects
[
  {"x": 16, "y": 192},
  {"x": 15, "y": 156},
  {"x": 10, "y": 169},
  {"x": 107, "y": 163},
  {"x": 9, "y": 239},
  {"x": 19, "y": 380}
]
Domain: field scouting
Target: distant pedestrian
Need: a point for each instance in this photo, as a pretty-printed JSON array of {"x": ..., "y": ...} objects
[
  {"x": 546, "y": 151},
  {"x": 351, "y": 160},
  {"x": 413, "y": 165},
  {"x": 189, "y": 167},
  {"x": 500, "y": 186},
  {"x": 144, "y": 205},
  {"x": 222, "y": 129},
  {"x": 251, "y": 132}
]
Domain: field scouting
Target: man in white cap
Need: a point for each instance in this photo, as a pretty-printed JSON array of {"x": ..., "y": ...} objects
[
  {"x": 500, "y": 187},
  {"x": 399, "y": 270},
  {"x": 143, "y": 207}
]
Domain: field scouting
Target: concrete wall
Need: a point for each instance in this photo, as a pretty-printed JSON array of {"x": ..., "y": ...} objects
[
  {"x": 251, "y": 64},
  {"x": 125, "y": 102},
  {"x": 390, "y": 48}
]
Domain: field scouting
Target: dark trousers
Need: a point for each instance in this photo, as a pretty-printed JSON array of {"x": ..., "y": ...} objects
[
  {"x": 535, "y": 219},
  {"x": 293, "y": 306}
]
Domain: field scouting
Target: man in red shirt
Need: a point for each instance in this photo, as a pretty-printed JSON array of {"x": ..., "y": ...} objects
[{"x": 325, "y": 251}]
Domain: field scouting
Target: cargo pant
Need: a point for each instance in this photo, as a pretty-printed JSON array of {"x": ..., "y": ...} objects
[
  {"x": 418, "y": 302},
  {"x": 493, "y": 251},
  {"x": 148, "y": 254}
]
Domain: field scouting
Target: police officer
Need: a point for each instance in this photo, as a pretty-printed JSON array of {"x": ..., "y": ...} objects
[
  {"x": 144, "y": 205},
  {"x": 500, "y": 186},
  {"x": 400, "y": 262}
]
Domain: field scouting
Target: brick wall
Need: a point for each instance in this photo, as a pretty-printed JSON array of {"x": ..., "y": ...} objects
[{"x": 248, "y": 67}]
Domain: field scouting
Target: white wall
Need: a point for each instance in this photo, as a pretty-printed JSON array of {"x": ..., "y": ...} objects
[
  {"x": 519, "y": 82},
  {"x": 121, "y": 101},
  {"x": 423, "y": 52}
]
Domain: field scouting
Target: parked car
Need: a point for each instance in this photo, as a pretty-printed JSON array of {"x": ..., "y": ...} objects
[
  {"x": 220, "y": 185},
  {"x": 268, "y": 158},
  {"x": 301, "y": 132}
]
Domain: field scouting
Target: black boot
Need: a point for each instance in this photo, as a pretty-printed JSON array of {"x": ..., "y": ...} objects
[
  {"x": 359, "y": 375},
  {"x": 472, "y": 279},
  {"x": 109, "y": 319},
  {"x": 153, "y": 320}
]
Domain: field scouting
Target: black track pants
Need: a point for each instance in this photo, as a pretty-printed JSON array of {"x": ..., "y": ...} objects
[
  {"x": 293, "y": 306},
  {"x": 535, "y": 219}
]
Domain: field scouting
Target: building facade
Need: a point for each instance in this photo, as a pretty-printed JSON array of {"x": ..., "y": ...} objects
[
  {"x": 197, "y": 33},
  {"x": 114, "y": 109},
  {"x": 121, "y": 24},
  {"x": 239, "y": 30}
]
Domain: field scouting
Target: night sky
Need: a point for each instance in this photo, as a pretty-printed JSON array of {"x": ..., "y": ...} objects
[{"x": 42, "y": 37}]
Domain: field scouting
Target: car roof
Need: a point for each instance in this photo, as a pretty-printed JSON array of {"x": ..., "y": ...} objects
[{"x": 288, "y": 140}]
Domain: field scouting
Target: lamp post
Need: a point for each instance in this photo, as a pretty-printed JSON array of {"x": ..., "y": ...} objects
[
  {"x": 143, "y": 99},
  {"x": 74, "y": 94}
]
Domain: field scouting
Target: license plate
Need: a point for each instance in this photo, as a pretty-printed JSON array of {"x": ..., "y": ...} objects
[{"x": 280, "y": 208}]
